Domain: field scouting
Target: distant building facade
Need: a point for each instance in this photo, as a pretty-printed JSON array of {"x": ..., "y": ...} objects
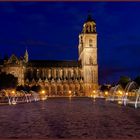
[{"x": 61, "y": 77}]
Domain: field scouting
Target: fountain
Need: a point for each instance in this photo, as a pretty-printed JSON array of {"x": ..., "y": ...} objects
[
  {"x": 115, "y": 93},
  {"x": 35, "y": 96},
  {"x": 132, "y": 95},
  {"x": 12, "y": 97},
  {"x": 130, "y": 87}
]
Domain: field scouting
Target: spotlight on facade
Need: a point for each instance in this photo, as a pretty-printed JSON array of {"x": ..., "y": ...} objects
[{"x": 70, "y": 93}]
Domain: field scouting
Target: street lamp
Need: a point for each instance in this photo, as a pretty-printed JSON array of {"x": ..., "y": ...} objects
[
  {"x": 43, "y": 95},
  {"x": 106, "y": 93},
  {"x": 43, "y": 91}
]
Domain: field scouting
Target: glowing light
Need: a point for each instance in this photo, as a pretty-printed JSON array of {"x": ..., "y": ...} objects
[
  {"x": 43, "y": 91},
  {"x": 119, "y": 102},
  {"x": 44, "y": 98},
  {"x": 106, "y": 93},
  {"x": 14, "y": 103},
  {"x": 126, "y": 93},
  {"x": 120, "y": 92},
  {"x": 13, "y": 92}
]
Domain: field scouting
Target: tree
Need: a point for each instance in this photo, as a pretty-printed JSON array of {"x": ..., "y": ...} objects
[
  {"x": 124, "y": 80},
  {"x": 105, "y": 88},
  {"x": 137, "y": 80},
  {"x": 36, "y": 88},
  {"x": 19, "y": 88},
  {"x": 8, "y": 81}
]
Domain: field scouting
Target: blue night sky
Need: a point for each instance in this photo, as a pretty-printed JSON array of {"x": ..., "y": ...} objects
[{"x": 50, "y": 31}]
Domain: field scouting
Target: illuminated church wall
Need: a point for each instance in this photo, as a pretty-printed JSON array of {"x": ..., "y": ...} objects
[{"x": 61, "y": 77}]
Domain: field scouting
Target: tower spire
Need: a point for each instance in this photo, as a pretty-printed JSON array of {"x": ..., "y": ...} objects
[
  {"x": 89, "y": 25},
  {"x": 26, "y": 56},
  {"x": 89, "y": 17}
]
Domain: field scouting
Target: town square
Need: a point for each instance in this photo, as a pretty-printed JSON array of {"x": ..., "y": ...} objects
[{"x": 69, "y": 70}]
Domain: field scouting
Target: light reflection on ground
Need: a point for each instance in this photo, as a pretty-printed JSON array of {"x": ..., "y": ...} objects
[{"x": 64, "y": 118}]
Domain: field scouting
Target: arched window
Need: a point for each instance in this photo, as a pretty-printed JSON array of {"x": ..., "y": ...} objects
[{"x": 90, "y": 42}]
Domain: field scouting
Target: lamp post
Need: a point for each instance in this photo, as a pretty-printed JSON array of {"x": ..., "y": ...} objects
[
  {"x": 43, "y": 95},
  {"x": 106, "y": 93},
  {"x": 13, "y": 97}
]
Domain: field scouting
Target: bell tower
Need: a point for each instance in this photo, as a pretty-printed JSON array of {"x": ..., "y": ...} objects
[{"x": 88, "y": 55}]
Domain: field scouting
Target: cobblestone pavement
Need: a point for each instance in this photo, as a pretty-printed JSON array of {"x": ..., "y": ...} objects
[{"x": 64, "y": 118}]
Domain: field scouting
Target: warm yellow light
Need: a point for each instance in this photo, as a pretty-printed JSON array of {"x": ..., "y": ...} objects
[
  {"x": 126, "y": 93},
  {"x": 43, "y": 91},
  {"x": 13, "y": 91},
  {"x": 69, "y": 91},
  {"x": 106, "y": 93},
  {"x": 93, "y": 91},
  {"x": 120, "y": 92},
  {"x": 119, "y": 102},
  {"x": 44, "y": 98}
]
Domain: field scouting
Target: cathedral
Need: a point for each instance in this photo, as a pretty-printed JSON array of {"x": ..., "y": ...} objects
[{"x": 78, "y": 77}]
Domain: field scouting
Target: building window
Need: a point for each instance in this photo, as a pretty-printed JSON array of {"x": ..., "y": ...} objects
[{"x": 90, "y": 43}]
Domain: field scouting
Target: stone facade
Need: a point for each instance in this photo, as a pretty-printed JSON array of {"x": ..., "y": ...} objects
[{"x": 61, "y": 77}]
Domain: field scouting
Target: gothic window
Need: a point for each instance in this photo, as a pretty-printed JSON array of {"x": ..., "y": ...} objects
[
  {"x": 49, "y": 73},
  {"x": 90, "y": 28},
  {"x": 69, "y": 74},
  {"x": 61, "y": 73},
  {"x": 90, "y": 42}
]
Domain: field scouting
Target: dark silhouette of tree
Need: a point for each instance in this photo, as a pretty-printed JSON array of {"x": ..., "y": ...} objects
[
  {"x": 105, "y": 88},
  {"x": 124, "y": 80},
  {"x": 137, "y": 80},
  {"x": 8, "y": 81},
  {"x": 26, "y": 88},
  {"x": 36, "y": 88},
  {"x": 19, "y": 88}
]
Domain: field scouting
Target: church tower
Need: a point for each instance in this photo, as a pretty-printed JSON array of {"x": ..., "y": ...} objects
[
  {"x": 88, "y": 55},
  {"x": 26, "y": 56}
]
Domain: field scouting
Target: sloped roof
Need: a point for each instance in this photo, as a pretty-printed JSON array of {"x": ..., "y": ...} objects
[{"x": 54, "y": 63}]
